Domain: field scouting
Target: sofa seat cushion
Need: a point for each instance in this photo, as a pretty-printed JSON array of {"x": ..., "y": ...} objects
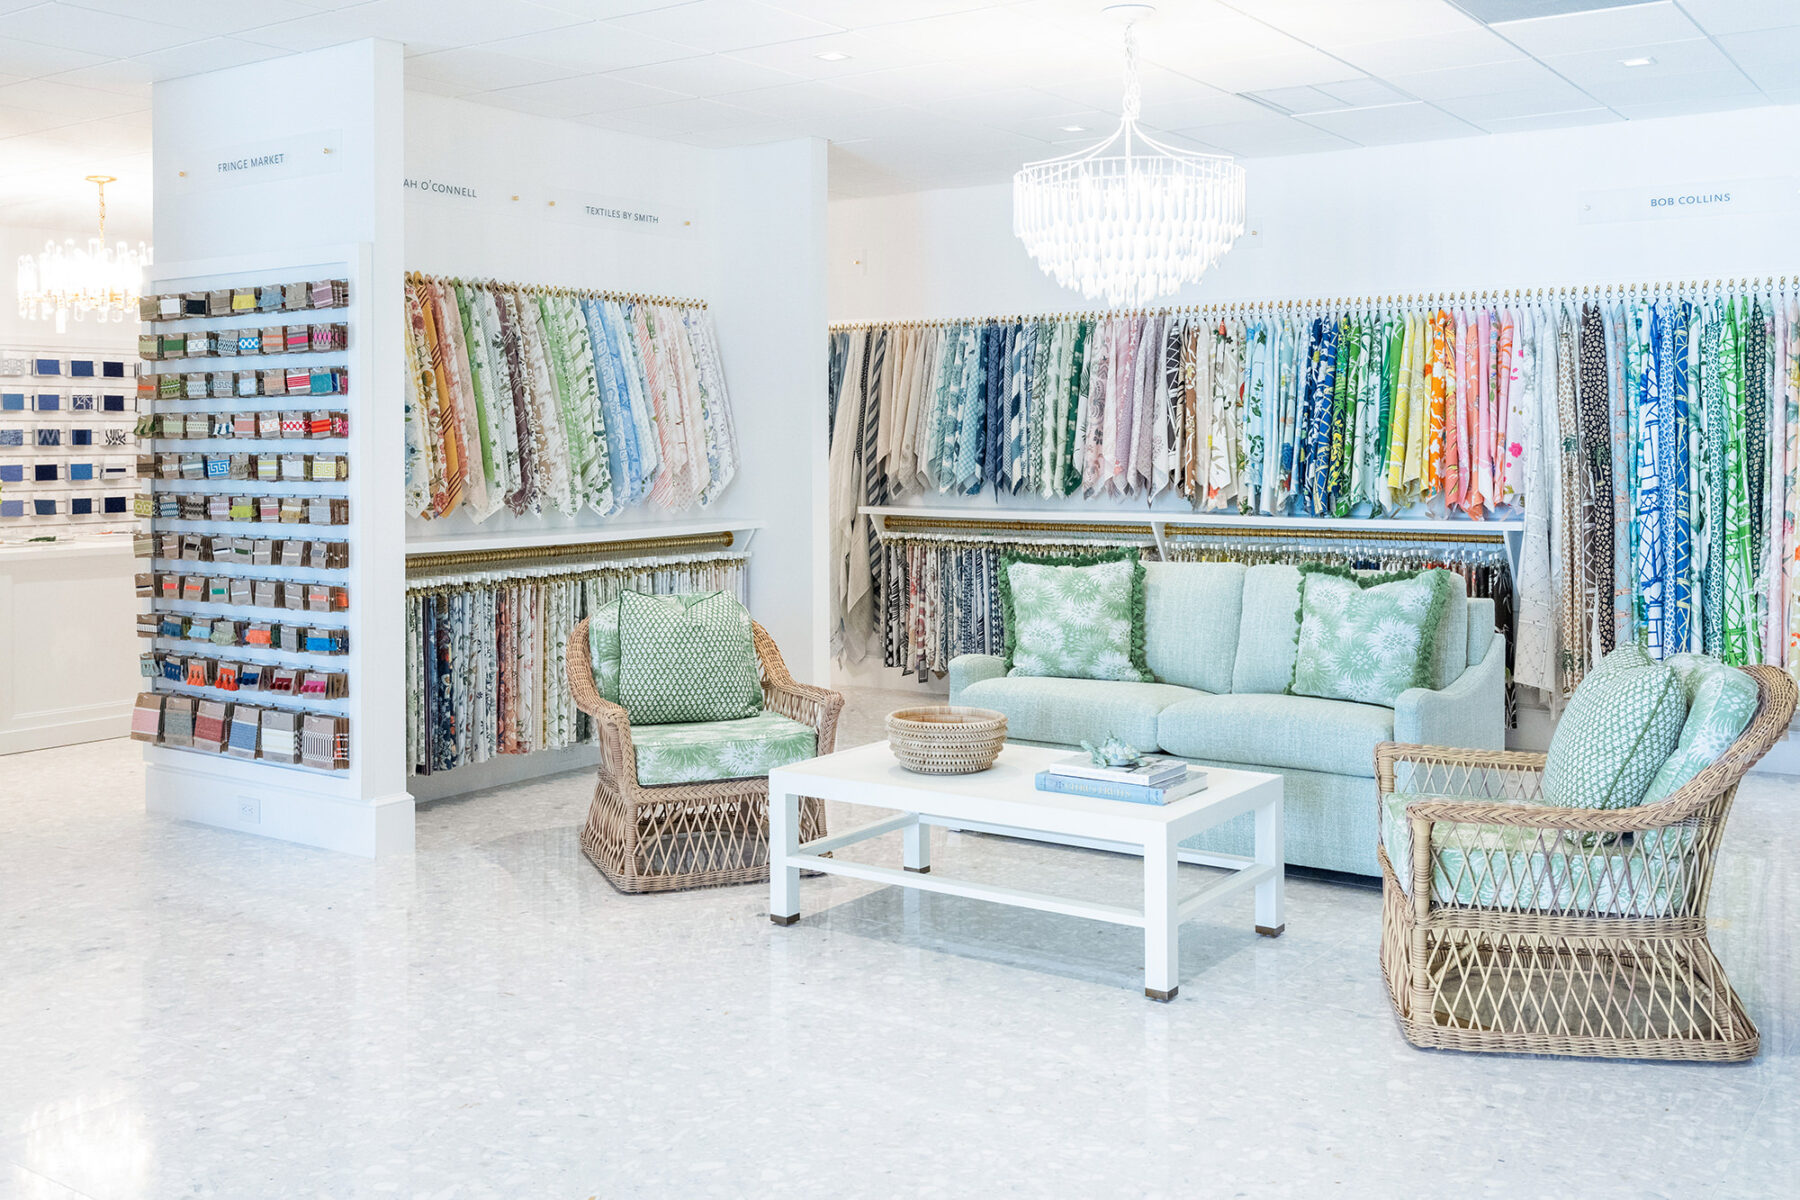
[
  {"x": 701, "y": 751},
  {"x": 1069, "y": 711},
  {"x": 1299, "y": 732},
  {"x": 1510, "y": 866}
]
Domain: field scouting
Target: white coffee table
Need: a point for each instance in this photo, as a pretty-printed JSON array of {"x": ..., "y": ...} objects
[{"x": 1004, "y": 799}]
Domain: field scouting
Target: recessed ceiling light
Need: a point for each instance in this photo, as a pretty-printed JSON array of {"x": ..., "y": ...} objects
[
  {"x": 1074, "y": 128},
  {"x": 1637, "y": 62},
  {"x": 831, "y": 56}
]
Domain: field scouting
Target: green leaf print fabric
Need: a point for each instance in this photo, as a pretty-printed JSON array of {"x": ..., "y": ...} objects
[
  {"x": 1367, "y": 638},
  {"x": 1075, "y": 618},
  {"x": 701, "y": 751},
  {"x": 686, "y": 658},
  {"x": 603, "y": 649},
  {"x": 1721, "y": 700}
]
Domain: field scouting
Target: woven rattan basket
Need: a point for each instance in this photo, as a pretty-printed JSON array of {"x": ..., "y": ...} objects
[{"x": 946, "y": 740}]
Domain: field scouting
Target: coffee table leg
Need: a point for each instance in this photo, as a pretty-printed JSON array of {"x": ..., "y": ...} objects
[
  {"x": 784, "y": 842},
  {"x": 1162, "y": 930},
  {"x": 1271, "y": 896},
  {"x": 916, "y": 847}
]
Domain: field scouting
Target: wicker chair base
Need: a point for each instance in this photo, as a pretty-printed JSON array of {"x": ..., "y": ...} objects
[
  {"x": 686, "y": 835},
  {"x": 1461, "y": 987}
]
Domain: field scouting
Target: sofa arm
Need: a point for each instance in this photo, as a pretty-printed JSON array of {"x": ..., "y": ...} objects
[
  {"x": 1469, "y": 713},
  {"x": 966, "y": 669}
]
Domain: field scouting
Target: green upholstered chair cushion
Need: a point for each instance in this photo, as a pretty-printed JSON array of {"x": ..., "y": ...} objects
[
  {"x": 1075, "y": 618},
  {"x": 1369, "y": 638},
  {"x": 1721, "y": 700},
  {"x": 1621, "y": 724},
  {"x": 1301, "y": 733},
  {"x": 1507, "y": 866},
  {"x": 603, "y": 649},
  {"x": 1269, "y": 629},
  {"x": 686, "y": 658},
  {"x": 1191, "y": 617},
  {"x": 1069, "y": 711},
  {"x": 695, "y": 752}
]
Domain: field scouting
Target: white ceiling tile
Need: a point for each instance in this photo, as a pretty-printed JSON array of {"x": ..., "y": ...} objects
[
  {"x": 1552, "y": 120},
  {"x": 1551, "y": 97},
  {"x": 215, "y": 16},
  {"x": 693, "y": 116},
  {"x": 861, "y": 14},
  {"x": 599, "y": 10},
  {"x": 1476, "y": 81},
  {"x": 866, "y": 52},
  {"x": 32, "y": 59},
  {"x": 436, "y": 87},
  {"x": 575, "y": 96},
  {"x": 719, "y": 25},
  {"x": 209, "y": 54},
  {"x": 1394, "y": 123},
  {"x": 1192, "y": 33},
  {"x": 594, "y": 46},
  {"x": 1161, "y": 88},
  {"x": 1298, "y": 69},
  {"x": 422, "y": 25},
  {"x": 1401, "y": 55},
  {"x": 1597, "y": 30},
  {"x": 707, "y": 75},
  {"x": 1767, "y": 57},
  {"x": 1692, "y": 57},
  {"x": 475, "y": 69},
  {"x": 918, "y": 85},
  {"x": 1688, "y": 106},
  {"x": 71, "y": 102},
  {"x": 1674, "y": 89},
  {"x": 1336, "y": 23},
  {"x": 15, "y": 121},
  {"x": 1279, "y": 135},
  {"x": 1014, "y": 106},
  {"x": 1741, "y": 16},
  {"x": 126, "y": 76},
  {"x": 806, "y": 101},
  {"x": 108, "y": 35}
]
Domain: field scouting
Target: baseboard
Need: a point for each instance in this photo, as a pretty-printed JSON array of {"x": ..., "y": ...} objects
[
  {"x": 368, "y": 828},
  {"x": 89, "y": 723},
  {"x": 501, "y": 771}
]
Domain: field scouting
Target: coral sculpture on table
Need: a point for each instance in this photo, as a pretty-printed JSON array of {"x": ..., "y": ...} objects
[{"x": 1113, "y": 753}]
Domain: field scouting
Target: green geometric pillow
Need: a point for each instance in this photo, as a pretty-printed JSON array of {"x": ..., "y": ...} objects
[
  {"x": 1622, "y": 722},
  {"x": 1720, "y": 702},
  {"x": 686, "y": 658},
  {"x": 603, "y": 649},
  {"x": 1368, "y": 638},
  {"x": 1075, "y": 617}
]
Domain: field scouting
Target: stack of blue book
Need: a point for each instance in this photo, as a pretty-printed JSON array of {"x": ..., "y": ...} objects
[{"x": 1154, "y": 779}]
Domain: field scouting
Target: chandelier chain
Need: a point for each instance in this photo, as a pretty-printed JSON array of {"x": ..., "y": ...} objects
[{"x": 1134, "y": 96}]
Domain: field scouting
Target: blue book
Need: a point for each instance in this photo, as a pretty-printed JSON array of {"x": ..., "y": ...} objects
[{"x": 1134, "y": 793}]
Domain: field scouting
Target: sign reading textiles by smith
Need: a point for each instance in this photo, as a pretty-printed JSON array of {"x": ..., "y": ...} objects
[{"x": 289, "y": 157}]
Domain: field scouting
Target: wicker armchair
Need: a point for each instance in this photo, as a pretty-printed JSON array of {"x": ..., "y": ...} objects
[
  {"x": 689, "y": 835},
  {"x": 1546, "y": 930}
]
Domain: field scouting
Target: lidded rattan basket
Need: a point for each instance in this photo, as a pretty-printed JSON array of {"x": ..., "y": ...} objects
[{"x": 946, "y": 739}]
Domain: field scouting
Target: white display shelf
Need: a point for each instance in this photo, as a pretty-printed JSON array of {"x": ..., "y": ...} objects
[
  {"x": 743, "y": 531},
  {"x": 1186, "y": 520}
]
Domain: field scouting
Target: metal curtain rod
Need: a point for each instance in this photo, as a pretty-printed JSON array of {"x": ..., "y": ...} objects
[
  {"x": 425, "y": 562},
  {"x": 1193, "y": 532},
  {"x": 544, "y": 289},
  {"x": 928, "y": 524},
  {"x": 1567, "y": 291}
]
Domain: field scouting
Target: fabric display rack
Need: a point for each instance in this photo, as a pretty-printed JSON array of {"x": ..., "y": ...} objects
[
  {"x": 1637, "y": 448},
  {"x": 245, "y": 417},
  {"x": 65, "y": 442},
  {"x": 533, "y": 398},
  {"x": 487, "y": 633}
]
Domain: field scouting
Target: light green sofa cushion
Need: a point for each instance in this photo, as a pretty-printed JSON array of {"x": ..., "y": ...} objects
[
  {"x": 1621, "y": 724},
  {"x": 1191, "y": 613},
  {"x": 695, "y": 752},
  {"x": 1070, "y": 711},
  {"x": 1268, "y": 629},
  {"x": 1721, "y": 700},
  {"x": 1509, "y": 866},
  {"x": 1300, "y": 732}
]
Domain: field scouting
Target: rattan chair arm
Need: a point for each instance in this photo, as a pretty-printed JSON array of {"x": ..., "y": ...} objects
[
  {"x": 1389, "y": 755},
  {"x": 815, "y": 706},
  {"x": 612, "y": 724}
]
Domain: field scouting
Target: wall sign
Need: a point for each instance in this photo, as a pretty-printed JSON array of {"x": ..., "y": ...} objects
[
  {"x": 290, "y": 157},
  {"x": 1682, "y": 201},
  {"x": 620, "y": 212},
  {"x": 443, "y": 189}
]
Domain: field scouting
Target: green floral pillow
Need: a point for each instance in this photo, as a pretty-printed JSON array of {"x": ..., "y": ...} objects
[
  {"x": 1075, "y": 617},
  {"x": 603, "y": 649},
  {"x": 1721, "y": 700},
  {"x": 1621, "y": 724},
  {"x": 686, "y": 658},
  {"x": 1368, "y": 638}
]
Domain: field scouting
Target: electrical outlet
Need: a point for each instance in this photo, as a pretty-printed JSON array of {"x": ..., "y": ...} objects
[{"x": 250, "y": 810}]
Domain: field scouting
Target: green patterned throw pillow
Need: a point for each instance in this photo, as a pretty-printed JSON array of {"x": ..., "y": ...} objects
[
  {"x": 603, "y": 649},
  {"x": 686, "y": 658},
  {"x": 1367, "y": 638},
  {"x": 1721, "y": 700},
  {"x": 1075, "y": 617},
  {"x": 1621, "y": 724}
]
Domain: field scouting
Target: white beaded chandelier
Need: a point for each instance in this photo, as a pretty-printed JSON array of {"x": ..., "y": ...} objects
[
  {"x": 1131, "y": 219},
  {"x": 101, "y": 280}
]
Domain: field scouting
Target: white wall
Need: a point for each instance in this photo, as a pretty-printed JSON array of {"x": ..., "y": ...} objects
[
  {"x": 745, "y": 231},
  {"x": 1497, "y": 211}
]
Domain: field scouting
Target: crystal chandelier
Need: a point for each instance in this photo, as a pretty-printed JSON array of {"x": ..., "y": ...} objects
[
  {"x": 102, "y": 280},
  {"x": 1129, "y": 219}
]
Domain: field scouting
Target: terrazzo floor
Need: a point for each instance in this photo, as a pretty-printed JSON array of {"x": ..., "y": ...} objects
[{"x": 188, "y": 1012}]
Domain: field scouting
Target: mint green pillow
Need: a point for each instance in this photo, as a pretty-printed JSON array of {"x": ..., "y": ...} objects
[
  {"x": 686, "y": 658},
  {"x": 1621, "y": 724},
  {"x": 1075, "y": 617},
  {"x": 603, "y": 649},
  {"x": 1367, "y": 638},
  {"x": 1721, "y": 700}
]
